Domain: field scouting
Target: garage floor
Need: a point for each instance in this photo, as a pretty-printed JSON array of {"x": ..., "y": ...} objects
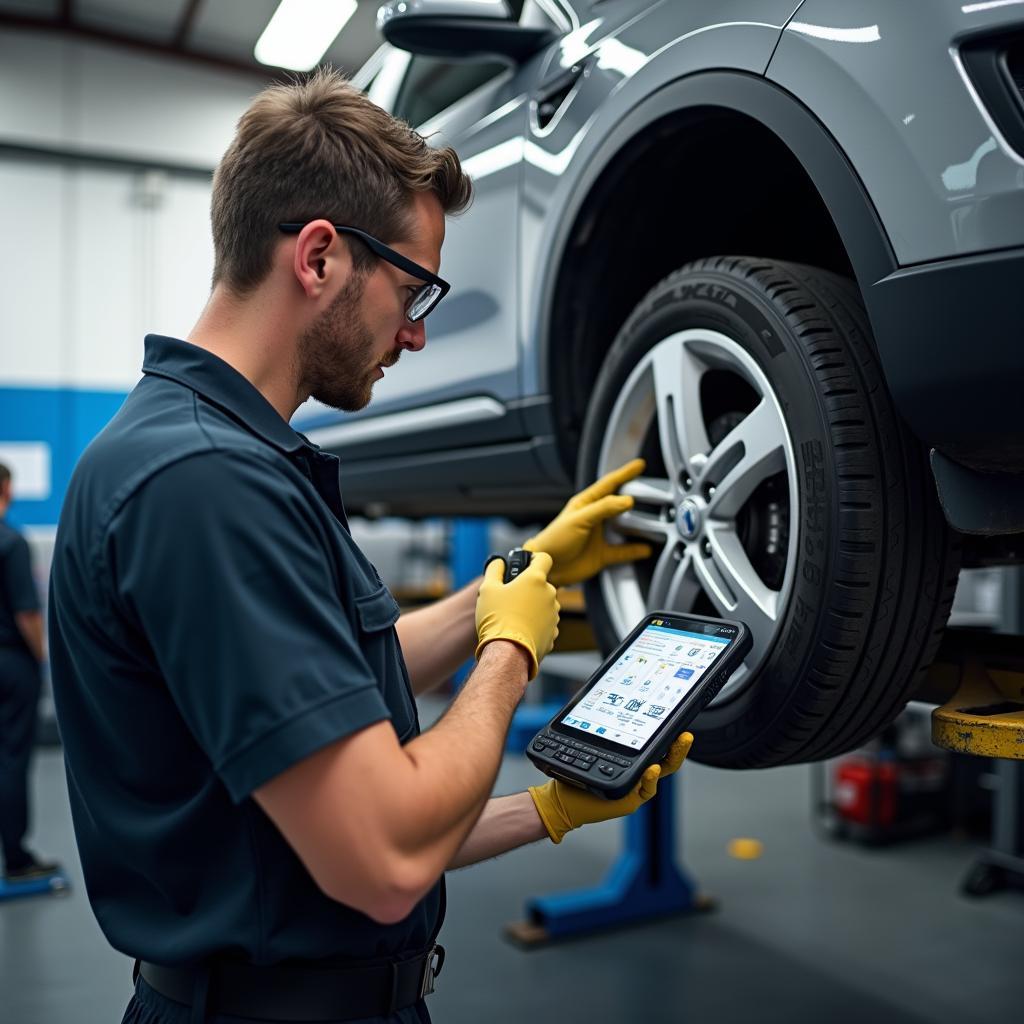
[{"x": 812, "y": 931}]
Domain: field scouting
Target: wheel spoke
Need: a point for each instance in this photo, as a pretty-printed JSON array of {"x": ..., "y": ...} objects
[
  {"x": 677, "y": 375},
  {"x": 735, "y": 588},
  {"x": 625, "y": 599},
  {"x": 643, "y": 524},
  {"x": 650, "y": 490},
  {"x": 674, "y": 584},
  {"x": 750, "y": 453},
  {"x": 663, "y": 394}
]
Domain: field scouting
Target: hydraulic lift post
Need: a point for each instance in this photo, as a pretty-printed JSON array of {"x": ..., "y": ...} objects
[
  {"x": 985, "y": 713},
  {"x": 468, "y": 546},
  {"x": 644, "y": 882},
  {"x": 981, "y": 676}
]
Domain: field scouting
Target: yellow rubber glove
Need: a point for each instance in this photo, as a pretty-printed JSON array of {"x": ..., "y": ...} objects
[
  {"x": 575, "y": 538},
  {"x": 524, "y": 611},
  {"x": 563, "y": 807}
]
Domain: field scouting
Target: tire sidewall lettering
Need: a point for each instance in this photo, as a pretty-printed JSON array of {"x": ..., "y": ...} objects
[{"x": 847, "y": 635}]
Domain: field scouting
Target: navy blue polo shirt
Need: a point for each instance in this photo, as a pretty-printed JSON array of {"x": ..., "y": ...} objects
[
  {"x": 17, "y": 587},
  {"x": 212, "y": 622}
]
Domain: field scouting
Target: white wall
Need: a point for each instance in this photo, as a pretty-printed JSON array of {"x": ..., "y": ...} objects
[
  {"x": 93, "y": 257},
  {"x": 91, "y": 260},
  {"x": 58, "y": 91}
]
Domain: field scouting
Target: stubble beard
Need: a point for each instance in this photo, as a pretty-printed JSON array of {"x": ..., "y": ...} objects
[{"x": 336, "y": 353}]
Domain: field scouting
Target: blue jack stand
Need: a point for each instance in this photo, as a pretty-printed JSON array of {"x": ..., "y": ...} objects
[
  {"x": 49, "y": 885},
  {"x": 644, "y": 883}
]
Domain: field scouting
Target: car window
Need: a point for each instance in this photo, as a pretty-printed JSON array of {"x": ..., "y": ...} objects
[{"x": 433, "y": 84}]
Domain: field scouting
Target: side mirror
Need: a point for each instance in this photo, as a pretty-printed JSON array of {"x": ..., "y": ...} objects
[{"x": 460, "y": 29}]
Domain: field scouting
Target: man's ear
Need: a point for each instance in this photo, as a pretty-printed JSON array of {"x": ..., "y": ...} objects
[{"x": 320, "y": 257}]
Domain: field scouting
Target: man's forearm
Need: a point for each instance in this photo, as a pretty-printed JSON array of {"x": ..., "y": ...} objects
[
  {"x": 407, "y": 809},
  {"x": 507, "y": 822},
  {"x": 457, "y": 760},
  {"x": 30, "y": 625},
  {"x": 437, "y": 639}
]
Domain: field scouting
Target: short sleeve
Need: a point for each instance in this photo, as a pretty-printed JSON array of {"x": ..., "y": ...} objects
[
  {"x": 21, "y": 590},
  {"x": 226, "y": 569}
]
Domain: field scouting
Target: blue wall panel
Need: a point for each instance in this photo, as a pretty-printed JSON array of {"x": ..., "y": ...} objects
[{"x": 66, "y": 419}]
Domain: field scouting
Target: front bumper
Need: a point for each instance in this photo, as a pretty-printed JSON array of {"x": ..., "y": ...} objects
[{"x": 951, "y": 340}]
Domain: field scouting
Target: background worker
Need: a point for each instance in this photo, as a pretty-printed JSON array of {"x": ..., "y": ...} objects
[{"x": 21, "y": 658}]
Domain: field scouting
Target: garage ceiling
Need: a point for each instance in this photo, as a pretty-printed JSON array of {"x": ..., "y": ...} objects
[{"x": 215, "y": 32}]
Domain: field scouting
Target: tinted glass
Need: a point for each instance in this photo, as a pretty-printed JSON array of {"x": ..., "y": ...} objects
[{"x": 433, "y": 84}]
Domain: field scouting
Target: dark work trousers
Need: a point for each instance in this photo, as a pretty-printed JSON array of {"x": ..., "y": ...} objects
[
  {"x": 20, "y": 681},
  {"x": 149, "y": 1007}
]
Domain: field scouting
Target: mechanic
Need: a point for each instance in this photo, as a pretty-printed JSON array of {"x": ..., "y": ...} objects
[
  {"x": 261, "y": 823},
  {"x": 21, "y": 657}
]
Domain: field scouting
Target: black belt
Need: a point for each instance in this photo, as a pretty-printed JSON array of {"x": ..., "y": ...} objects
[{"x": 299, "y": 993}]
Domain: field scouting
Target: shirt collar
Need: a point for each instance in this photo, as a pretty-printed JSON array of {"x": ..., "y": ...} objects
[{"x": 222, "y": 385}]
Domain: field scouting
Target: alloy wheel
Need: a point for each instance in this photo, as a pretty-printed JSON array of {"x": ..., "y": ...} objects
[{"x": 719, "y": 503}]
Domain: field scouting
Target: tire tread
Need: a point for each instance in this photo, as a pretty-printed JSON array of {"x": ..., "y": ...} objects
[{"x": 889, "y": 598}]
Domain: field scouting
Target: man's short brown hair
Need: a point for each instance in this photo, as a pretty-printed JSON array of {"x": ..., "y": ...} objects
[{"x": 320, "y": 148}]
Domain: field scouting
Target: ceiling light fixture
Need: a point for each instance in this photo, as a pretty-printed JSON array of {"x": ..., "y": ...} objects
[{"x": 300, "y": 31}]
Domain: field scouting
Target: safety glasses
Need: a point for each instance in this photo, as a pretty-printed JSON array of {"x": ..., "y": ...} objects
[{"x": 424, "y": 299}]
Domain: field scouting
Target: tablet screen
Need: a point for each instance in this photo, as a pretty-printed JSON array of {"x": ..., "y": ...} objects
[{"x": 644, "y": 685}]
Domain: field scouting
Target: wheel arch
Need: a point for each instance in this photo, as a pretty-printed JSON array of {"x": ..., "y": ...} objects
[{"x": 753, "y": 172}]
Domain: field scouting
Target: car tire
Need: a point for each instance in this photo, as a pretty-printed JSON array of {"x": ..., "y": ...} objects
[{"x": 755, "y": 392}]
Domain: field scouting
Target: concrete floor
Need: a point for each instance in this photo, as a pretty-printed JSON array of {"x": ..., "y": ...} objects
[{"x": 812, "y": 931}]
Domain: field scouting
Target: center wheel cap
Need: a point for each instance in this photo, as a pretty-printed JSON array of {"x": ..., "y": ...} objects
[{"x": 688, "y": 519}]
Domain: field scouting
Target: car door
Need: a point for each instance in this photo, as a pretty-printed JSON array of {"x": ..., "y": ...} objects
[
  {"x": 471, "y": 336},
  {"x": 480, "y": 108}
]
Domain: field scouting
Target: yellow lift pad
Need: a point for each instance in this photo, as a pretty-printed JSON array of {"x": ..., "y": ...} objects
[{"x": 979, "y": 678}]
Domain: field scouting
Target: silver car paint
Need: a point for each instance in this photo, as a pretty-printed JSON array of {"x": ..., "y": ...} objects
[
  {"x": 481, "y": 338},
  {"x": 626, "y": 67},
  {"x": 884, "y": 78}
]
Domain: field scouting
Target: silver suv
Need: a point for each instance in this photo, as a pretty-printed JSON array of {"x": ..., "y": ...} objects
[{"x": 776, "y": 248}]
